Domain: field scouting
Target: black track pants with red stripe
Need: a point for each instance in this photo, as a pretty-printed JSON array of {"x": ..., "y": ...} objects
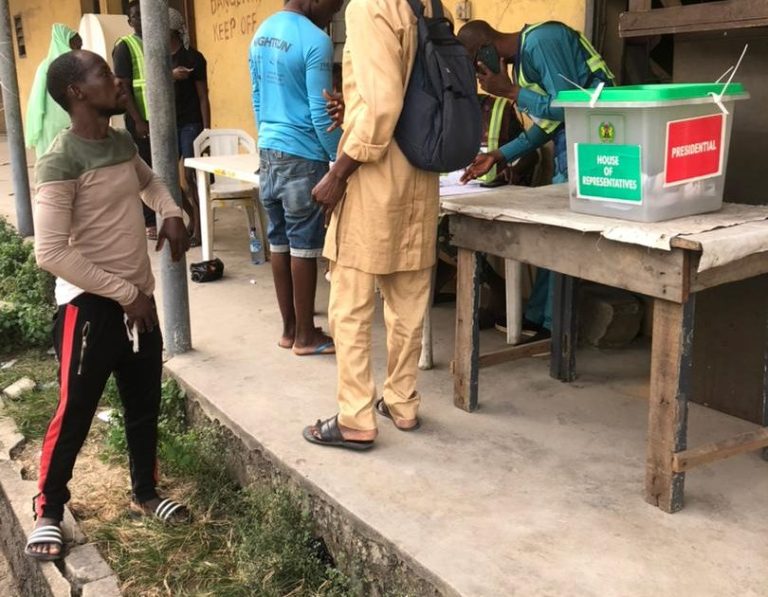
[{"x": 91, "y": 342}]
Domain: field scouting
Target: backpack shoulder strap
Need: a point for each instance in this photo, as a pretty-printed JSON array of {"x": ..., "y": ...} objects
[
  {"x": 437, "y": 9},
  {"x": 417, "y": 7}
]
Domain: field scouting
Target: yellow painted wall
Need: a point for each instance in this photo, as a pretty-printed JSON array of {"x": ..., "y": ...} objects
[
  {"x": 224, "y": 30},
  {"x": 511, "y": 15},
  {"x": 37, "y": 17}
]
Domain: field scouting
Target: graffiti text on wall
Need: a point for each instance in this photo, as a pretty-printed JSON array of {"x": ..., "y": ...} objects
[{"x": 229, "y": 26}]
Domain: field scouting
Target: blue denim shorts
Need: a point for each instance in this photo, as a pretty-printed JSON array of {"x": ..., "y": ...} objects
[{"x": 296, "y": 223}]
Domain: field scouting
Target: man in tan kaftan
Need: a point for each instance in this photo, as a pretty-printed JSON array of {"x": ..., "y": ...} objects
[{"x": 382, "y": 229}]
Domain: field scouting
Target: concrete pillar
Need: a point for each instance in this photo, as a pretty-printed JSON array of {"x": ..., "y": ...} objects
[
  {"x": 13, "y": 124},
  {"x": 165, "y": 160}
]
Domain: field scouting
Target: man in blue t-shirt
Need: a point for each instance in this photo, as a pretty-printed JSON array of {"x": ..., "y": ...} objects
[{"x": 291, "y": 61}]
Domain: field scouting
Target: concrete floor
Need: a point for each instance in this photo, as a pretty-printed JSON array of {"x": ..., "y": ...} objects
[
  {"x": 538, "y": 493},
  {"x": 7, "y": 583}
]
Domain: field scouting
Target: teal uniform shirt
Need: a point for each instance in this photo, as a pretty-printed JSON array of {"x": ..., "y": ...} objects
[{"x": 549, "y": 51}]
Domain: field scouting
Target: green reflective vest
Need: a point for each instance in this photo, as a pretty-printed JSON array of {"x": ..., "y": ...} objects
[
  {"x": 494, "y": 131},
  {"x": 595, "y": 63},
  {"x": 136, "y": 48}
]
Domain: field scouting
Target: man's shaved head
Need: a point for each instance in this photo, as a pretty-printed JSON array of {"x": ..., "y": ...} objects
[
  {"x": 68, "y": 69},
  {"x": 81, "y": 78},
  {"x": 475, "y": 34}
]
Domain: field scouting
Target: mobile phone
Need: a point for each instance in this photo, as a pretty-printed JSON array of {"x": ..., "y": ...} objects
[{"x": 489, "y": 57}]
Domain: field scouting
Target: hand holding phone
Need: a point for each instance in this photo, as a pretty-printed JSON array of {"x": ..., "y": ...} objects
[
  {"x": 181, "y": 72},
  {"x": 489, "y": 57},
  {"x": 495, "y": 81}
]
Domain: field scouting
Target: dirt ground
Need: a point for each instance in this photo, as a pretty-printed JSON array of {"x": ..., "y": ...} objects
[{"x": 100, "y": 491}]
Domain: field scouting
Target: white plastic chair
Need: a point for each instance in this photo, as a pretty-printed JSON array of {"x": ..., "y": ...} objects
[
  {"x": 224, "y": 191},
  {"x": 513, "y": 270},
  {"x": 513, "y": 274}
]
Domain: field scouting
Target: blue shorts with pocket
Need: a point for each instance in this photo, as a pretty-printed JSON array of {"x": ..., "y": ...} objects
[{"x": 296, "y": 223}]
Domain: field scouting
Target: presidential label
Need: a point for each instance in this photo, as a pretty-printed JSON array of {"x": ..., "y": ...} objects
[{"x": 694, "y": 149}]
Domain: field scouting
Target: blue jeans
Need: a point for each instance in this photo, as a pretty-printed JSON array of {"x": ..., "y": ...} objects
[
  {"x": 187, "y": 134},
  {"x": 560, "y": 173},
  {"x": 296, "y": 223},
  {"x": 539, "y": 308}
]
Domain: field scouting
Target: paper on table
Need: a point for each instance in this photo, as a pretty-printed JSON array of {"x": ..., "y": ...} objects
[{"x": 450, "y": 185}]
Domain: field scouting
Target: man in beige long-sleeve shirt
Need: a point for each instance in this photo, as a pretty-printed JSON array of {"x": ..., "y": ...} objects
[
  {"x": 89, "y": 233},
  {"x": 382, "y": 230}
]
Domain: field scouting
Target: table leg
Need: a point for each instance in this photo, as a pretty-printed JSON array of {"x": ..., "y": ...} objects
[
  {"x": 467, "y": 343},
  {"x": 671, "y": 365},
  {"x": 513, "y": 272},
  {"x": 562, "y": 364},
  {"x": 765, "y": 396},
  {"x": 206, "y": 225}
]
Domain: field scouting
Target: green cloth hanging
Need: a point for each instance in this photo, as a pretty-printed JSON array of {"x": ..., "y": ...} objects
[{"x": 45, "y": 118}]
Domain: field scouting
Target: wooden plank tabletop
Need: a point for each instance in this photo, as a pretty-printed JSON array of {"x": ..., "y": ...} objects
[
  {"x": 726, "y": 15},
  {"x": 731, "y": 233}
]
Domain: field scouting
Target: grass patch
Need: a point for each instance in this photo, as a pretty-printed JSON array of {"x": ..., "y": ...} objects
[
  {"x": 242, "y": 542},
  {"x": 26, "y": 294},
  {"x": 33, "y": 410}
]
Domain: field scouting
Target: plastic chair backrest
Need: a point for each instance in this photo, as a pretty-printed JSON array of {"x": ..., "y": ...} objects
[{"x": 224, "y": 142}]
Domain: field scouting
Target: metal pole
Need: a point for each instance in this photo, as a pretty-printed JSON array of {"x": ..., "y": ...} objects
[
  {"x": 13, "y": 124},
  {"x": 165, "y": 161},
  {"x": 589, "y": 21}
]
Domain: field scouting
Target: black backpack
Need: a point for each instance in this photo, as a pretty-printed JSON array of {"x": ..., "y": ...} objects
[{"x": 440, "y": 126}]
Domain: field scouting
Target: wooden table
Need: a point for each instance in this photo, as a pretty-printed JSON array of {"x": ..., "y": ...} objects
[
  {"x": 243, "y": 167},
  {"x": 671, "y": 277}
]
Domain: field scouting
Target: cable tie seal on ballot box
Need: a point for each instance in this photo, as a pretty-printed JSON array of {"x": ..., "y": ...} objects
[
  {"x": 594, "y": 94},
  {"x": 718, "y": 98}
]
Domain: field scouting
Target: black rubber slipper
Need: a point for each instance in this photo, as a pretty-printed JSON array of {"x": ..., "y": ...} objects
[
  {"x": 383, "y": 410},
  {"x": 330, "y": 435}
]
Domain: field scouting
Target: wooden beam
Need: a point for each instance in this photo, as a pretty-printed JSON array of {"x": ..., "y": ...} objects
[
  {"x": 764, "y": 397},
  {"x": 582, "y": 255},
  {"x": 710, "y": 16},
  {"x": 467, "y": 342},
  {"x": 683, "y": 242},
  {"x": 746, "y": 442},
  {"x": 562, "y": 365},
  {"x": 514, "y": 353},
  {"x": 741, "y": 269},
  {"x": 640, "y": 5},
  {"x": 671, "y": 362}
]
